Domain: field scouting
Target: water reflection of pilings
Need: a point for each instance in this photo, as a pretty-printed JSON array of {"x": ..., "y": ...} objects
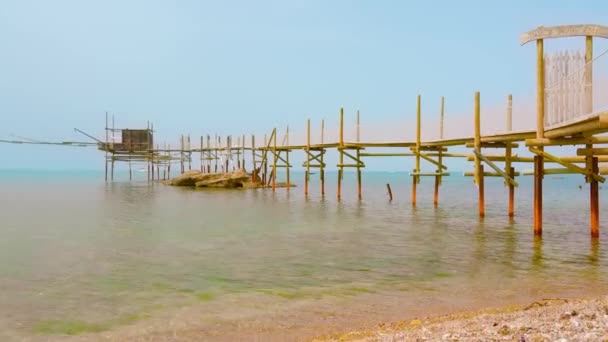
[{"x": 537, "y": 255}]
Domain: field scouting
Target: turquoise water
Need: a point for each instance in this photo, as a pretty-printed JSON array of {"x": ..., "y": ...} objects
[{"x": 81, "y": 256}]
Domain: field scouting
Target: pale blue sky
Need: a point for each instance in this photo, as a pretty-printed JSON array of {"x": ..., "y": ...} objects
[{"x": 234, "y": 67}]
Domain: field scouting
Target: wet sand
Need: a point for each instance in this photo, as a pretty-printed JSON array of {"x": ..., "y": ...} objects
[{"x": 544, "y": 319}]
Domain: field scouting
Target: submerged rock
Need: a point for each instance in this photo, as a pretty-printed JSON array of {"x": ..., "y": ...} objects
[{"x": 231, "y": 180}]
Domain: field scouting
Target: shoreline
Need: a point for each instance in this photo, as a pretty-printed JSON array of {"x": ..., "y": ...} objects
[{"x": 548, "y": 319}]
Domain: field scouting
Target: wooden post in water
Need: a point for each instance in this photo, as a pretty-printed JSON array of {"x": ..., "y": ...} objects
[
  {"x": 538, "y": 193},
  {"x": 287, "y": 160},
  {"x": 340, "y": 147},
  {"x": 479, "y": 175},
  {"x": 322, "y": 169},
  {"x": 189, "y": 154},
  {"x": 440, "y": 156},
  {"x": 265, "y": 173},
  {"x": 390, "y": 192},
  {"x": 169, "y": 165},
  {"x": 208, "y": 153},
  {"x": 228, "y": 153},
  {"x": 594, "y": 200},
  {"x": 274, "y": 161},
  {"x": 359, "y": 194},
  {"x": 243, "y": 152},
  {"x": 157, "y": 164},
  {"x": 482, "y": 199},
  {"x": 107, "y": 146},
  {"x": 202, "y": 166},
  {"x": 417, "y": 169},
  {"x": 508, "y": 154},
  {"x": 540, "y": 133},
  {"x": 254, "y": 170},
  {"x": 307, "y": 173}
]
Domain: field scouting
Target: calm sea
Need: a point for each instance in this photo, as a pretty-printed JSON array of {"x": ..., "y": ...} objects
[{"x": 82, "y": 257}]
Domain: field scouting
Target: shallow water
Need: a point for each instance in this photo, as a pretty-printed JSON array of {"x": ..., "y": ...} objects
[{"x": 80, "y": 255}]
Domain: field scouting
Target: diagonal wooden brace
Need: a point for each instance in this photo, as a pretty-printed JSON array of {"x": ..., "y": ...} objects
[
  {"x": 431, "y": 160},
  {"x": 568, "y": 165},
  {"x": 498, "y": 170}
]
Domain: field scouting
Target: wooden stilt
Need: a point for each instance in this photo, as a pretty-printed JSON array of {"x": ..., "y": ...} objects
[
  {"x": 189, "y": 154},
  {"x": 538, "y": 195},
  {"x": 274, "y": 162},
  {"x": 169, "y": 162},
  {"x": 208, "y": 153},
  {"x": 254, "y": 169},
  {"x": 265, "y": 175},
  {"x": 594, "y": 201},
  {"x": 512, "y": 193},
  {"x": 130, "y": 172},
  {"x": 340, "y": 151},
  {"x": 440, "y": 157},
  {"x": 414, "y": 191},
  {"x": 287, "y": 166},
  {"x": 287, "y": 170},
  {"x": 436, "y": 195},
  {"x": 228, "y": 154},
  {"x": 359, "y": 188},
  {"x": 112, "y": 171},
  {"x": 243, "y": 152},
  {"x": 181, "y": 154},
  {"x": 202, "y": 166},
  {"x": 415, "y": 177},
  {"x": 390, "y": 192},
  {"x": 322, "y": 169},
  {"x": 479, "y": 175},
  {"x": 540, "y": 133},
  {"x": 482, "y": 200},
  {"x": 107, "y": 146},
  {"x": 307, "y": 173}
]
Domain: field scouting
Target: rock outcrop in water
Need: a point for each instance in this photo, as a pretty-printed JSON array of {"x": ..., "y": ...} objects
[{"x": 231, "y": 180}]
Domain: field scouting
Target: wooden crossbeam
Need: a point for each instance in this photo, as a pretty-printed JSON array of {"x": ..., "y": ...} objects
[
  {"x": 486, "y": 174},
  {"x": 424, "y": 174},
  {"x": 351, "y": 165},
  {"x": 567, "y": 141},
  {"x": 568, "y": 165},
  {"x": 592, "y": 152},
  {"x": 493, "y": 145}
]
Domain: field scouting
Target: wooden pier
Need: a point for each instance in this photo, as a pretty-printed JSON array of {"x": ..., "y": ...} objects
[{"x": 565, "y": 116}]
